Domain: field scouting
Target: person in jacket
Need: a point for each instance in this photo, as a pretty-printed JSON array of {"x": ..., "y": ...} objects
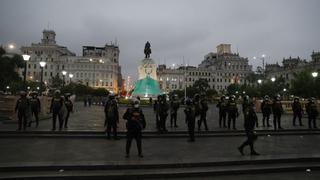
[
  {"x": 69, "y": 106},
  {"x": 297, "y": 111},
  {"x": 111, "y": 117},
  {"x": 312, "y": 111},
  {"x": 277, "y": 112},
  {"x": 35, "y": 107},
  {"x": 266, "y": 108},
  {"x": 223, "y": 109},
  {"x": 55, "y": 108},
  {"x": 135, "y": 124},
  {"x": 190, "y": 115},
  {"x": 22, "y": 107}
]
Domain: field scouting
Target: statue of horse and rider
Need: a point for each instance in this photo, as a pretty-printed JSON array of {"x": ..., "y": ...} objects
[{"x": 147, "y": 50}]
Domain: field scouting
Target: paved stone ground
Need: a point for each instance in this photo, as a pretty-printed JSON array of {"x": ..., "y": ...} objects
[
  {"x": 74, "y": 151},
  {"x": 92, "y": 118}
]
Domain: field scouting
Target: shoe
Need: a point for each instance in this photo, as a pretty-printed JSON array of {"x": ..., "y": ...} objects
[
  {"x": 108, "y": 137},
  {"x": 301, "y": 124},
  {"x": 29, "y": 124},
  {"x": 191, "y": 140},
  {"x": 241, "y": 150},
  {"x": 66, "y": 127},
  {"x": 254, "y": 153},
  {"x": 280, "y": 128},
  {"x": 175, "y": 126},
  {"x": 234, "y": 128},
  {"x": 127, "y": 155},
  {"x": 140, "y": 156},
  {"x": 53, "y": 129},
  {"x": 116, "y": 138},
  {"x": 269, "y": 125}
]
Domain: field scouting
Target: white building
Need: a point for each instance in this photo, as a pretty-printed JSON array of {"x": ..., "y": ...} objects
[
  {"x": 220, "y": 70},
  {"x": 98, "y": 67}
]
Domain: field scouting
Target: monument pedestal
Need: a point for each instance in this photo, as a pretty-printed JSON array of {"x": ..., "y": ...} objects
[{"x": 147, "y": 86}]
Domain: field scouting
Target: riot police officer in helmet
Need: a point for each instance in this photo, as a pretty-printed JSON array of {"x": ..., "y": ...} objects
[
  {"x": 22, "y": 106},
  {"x": 297, "y": 111},
  {"x": 35, "y": 107},
  {"x": 190, "y": 118},
  {"x": 56, "y": 106},
  {"x": 135, "y": 124},
  {"x": 111, "y": 116}
]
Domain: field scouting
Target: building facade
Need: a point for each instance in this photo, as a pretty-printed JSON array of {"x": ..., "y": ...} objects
[
  {"x": 220, "y": 69},
  {"x": 290, "y": 66},
  {"x": 98, "y": 67}
]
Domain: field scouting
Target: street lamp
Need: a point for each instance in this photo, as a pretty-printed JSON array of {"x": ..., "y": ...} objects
[
  {"x": 26, "y": 58},
  {"x": 284, "y": 89},
  {"x": 314, "y": 74},
  {"x": 70, "y": 76},
  {"x": 259, "y": 81},
  {"x": 64, "y": 73},
  {"x": 273, "y": 79},
  {"x": 11, "y": 46},
  {"x": 42, "y": 65}
]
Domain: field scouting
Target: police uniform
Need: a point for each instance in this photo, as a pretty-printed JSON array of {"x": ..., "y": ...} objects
[
  {"x": 190, "y": 119},
  {"x": 312, "y": 111},
  {"x": 174, "y": 106},
  {"x": 232, "y": 113},
  {"x": 22, "y": 106},
  {"x": 249, "y": 124},
  {"x": 112, "y": 117},
  {"x": 277, "y": 112},
  {"x": 266, "y": 108},
  {"x": 55, "y": 108},
  {"x": 135, "y": 123},
  {"x": 69, "y": 105},
  {"x": 297, "y": 112},
  {"x": 35, "y": 109},
  {"x": 203, "y": 114},
  {"x": 163, "y": 113},
  {"x": 222, "y": 105}
]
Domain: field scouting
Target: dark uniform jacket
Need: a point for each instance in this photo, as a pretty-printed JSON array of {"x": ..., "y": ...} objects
[
  {"x": 174, "y": 105},
  {"x": 277, "y": 107},
  {"x": 311, "y": 109},
  {"x": 22, "y": 104},
  {"x": 163, "y": 108},
  {"x": 135, "y": 119},
  {"x": 250, "y": 119},
  {"x": 69, "y": 105},
  {"x": 35, "y": 104},
  {"x": 297, "y": 107},
  {"x": 190, "y": 114},
  {"x": 203, "y": 106},
  {"x": 232, "y": 108},
  {"x": 111, "y": 111},
  {"x": 266, "y": 107},
  {"x": 56, "y": 104},
  {"x": 223, "y": 106}
]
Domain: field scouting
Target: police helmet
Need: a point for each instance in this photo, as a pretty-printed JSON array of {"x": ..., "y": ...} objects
[
  {"x": 188, "y": 101},
  {"x": 34, "y": 93},
  {"x": 296, "y": 98},
  {"x": 23, "y": 93},
  {"x": 232, "y": 96},
  {"x": 223, "y": 97},
  {"x": 266, "y": 97},
  {"x": 57, "y": 91},
  {"x": 111, "y": 96}
]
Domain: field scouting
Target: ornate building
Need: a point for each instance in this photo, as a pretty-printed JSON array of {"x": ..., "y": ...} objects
[
  {"x": 220, "y": 69},
  {"x": 97, "y": 67},
  {"x": 291, "y": 66}
]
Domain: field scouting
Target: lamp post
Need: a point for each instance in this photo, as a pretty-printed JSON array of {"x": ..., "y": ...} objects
[
  {"x": 314, "y": 74},
  {"x": 273, "y": 79},
  {"x": 26, "y": 58},
  {"x": 70, "y": 76},
  {"x": 42, "y": 65},
  {"x": 259, "y": 81},
  {"x": 64, "y": 73}
]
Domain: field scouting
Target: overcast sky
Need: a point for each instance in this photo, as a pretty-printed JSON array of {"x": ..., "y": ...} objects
[{"x": 175, "y": 28}]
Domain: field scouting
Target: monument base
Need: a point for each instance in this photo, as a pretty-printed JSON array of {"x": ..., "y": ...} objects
[{"x": 146, "y": 88}]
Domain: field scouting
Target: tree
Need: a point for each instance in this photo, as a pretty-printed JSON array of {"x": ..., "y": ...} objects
[
  {"x": 9, "y": 66},
  {"x": 305, "y": 85},
  {"x": 201, "y": 84},
  {"x": 56, "y": 82}
]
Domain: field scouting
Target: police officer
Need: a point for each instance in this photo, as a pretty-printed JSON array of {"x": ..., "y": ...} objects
[
  {"x": 297, "y": 111},
  {"x": 156, "y": 110},
  {"x": 266, "y": 108},
  {"x": 246, "y": 103},
  {"x": 135, "y": 123},
  {"x": 233, "y": 112},
  {"x": 163, "y": 113},
  {"x": 249, "y": 124},
  {"x": 22, "y": 106},
  {"x": 222, "y": 105},
  {"x": 203, "y": 112},
  {"x": 35, "y": 107},
  {"x": 111, "y": 116},
  {"x": 277, "y": 112},
  {"x": 55, "y": 108},
  {"x": 190, "y": 118},
  {"x": 174, "y": 106},
  {"x": 312, "y": 111},
  {"x": 69, "y": 105}
]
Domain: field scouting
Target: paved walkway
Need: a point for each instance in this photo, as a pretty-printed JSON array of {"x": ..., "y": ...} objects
[
  {"x": 78, "y": 151},
  {"x": 92, "y": 118}
]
